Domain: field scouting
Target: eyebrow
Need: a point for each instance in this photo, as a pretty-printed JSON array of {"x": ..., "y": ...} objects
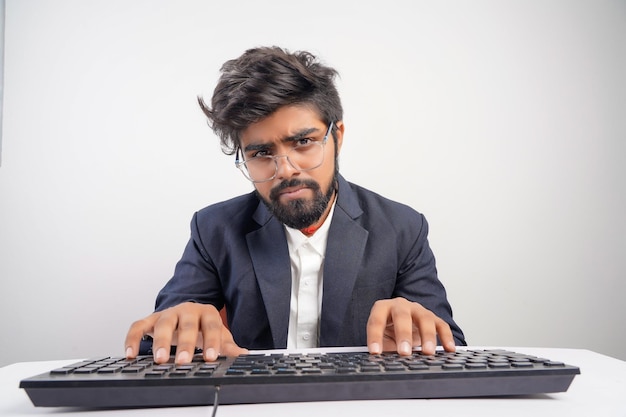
[{"x": 303, "y": 133}]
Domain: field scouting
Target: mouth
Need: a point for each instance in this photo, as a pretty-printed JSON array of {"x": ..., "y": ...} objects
[
  {"x": 293, "y": 190},
  {"x": 291, "y": 193}
]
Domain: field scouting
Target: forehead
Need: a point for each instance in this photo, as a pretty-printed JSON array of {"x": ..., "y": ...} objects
[{"x": 284, "y": 122}]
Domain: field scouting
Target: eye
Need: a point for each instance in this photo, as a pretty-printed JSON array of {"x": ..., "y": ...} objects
[
  {"x": 263, "y": 152},
  {"x": 303, "y": 142},
  {"x": 259, "y": 152}
]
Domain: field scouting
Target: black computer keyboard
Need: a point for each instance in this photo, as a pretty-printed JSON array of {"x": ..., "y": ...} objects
[{"x": 277, "y": 377}]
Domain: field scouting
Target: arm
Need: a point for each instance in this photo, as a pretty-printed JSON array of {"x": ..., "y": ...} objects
[
  {"x": 187, "y": 311},
  {"x": 419, "y": 311}
]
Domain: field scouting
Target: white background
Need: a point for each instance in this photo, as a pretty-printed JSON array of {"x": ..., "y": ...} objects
[{"x": 502, "y": 121}]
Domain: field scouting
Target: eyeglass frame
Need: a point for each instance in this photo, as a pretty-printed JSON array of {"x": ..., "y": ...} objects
[{"x": 240, "y": 164}]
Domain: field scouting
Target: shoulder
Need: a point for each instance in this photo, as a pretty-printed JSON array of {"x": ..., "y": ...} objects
[
  {"x": 382, "y": 210},
  {"x": 235, "y": 211}
]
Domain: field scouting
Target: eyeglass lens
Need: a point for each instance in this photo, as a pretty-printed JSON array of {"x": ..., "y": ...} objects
[{"x": 302, "y": 158}]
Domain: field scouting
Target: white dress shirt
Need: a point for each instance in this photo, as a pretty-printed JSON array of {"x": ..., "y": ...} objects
[{"x": 307, "y": 266}]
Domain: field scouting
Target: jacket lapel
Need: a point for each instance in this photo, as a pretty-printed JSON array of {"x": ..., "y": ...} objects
[
  {"x": 270, "y": 258},
  {"x": 344, "y": 255}
]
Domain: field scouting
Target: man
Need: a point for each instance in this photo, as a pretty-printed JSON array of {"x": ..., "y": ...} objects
[{"x": 308, "y": 259}]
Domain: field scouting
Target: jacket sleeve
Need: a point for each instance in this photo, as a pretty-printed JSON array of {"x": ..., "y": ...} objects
[
  {"x": 417, "y": 278},
  {"x": 195, "y": 277}
]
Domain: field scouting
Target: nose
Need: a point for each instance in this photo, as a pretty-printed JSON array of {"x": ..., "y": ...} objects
[{"x": 284, "y": 168}]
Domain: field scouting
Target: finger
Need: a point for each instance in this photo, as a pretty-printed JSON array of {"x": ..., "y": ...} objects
[
  {"x": 376, "y": 324},
  {"x": 187, "y": 335},
  {"x": 445, "y": 336},
  {"x": 217, "y": 339},
  {"x": 417, "y": 340},
  {"x": 211, "y": 328},
  {"x": 136, "y": 332},
  {"x": 426, "y": 326},
  {"x": 389, "y": 341},
  {"x": 233, "y": 349},
  {"x": 164, "y": 329},
  {"x": 229, "y": 347},
  {"x": 403, "y": 327}
]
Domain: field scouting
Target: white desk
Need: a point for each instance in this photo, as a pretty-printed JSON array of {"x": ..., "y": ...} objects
[{"x": 599, "y": 391}]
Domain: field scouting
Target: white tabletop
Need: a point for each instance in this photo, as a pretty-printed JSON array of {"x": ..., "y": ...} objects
[{"x": 600, "y": 390}]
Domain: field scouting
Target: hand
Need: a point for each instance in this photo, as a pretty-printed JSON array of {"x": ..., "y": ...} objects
[
  {"x": 398, "y": 325},
  {"x": 186, "y": 325}
]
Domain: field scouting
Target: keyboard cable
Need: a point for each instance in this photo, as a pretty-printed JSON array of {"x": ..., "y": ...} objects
[{"x": 216, "y": 400}]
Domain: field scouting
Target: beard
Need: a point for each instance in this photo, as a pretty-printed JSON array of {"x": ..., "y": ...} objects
[{"x": 300, "y": 213}]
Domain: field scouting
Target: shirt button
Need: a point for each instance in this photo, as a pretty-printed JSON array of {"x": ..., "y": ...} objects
[{"x": 306, "y": 336}]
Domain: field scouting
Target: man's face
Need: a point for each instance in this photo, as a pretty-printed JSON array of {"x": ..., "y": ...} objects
[{"x": 297, "y": 198}]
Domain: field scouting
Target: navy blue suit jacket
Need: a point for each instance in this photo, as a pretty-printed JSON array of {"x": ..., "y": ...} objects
[{"x": 238, "y": 257}]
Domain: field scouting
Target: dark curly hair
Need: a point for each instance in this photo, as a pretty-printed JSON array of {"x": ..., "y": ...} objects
[{"x": 261, "y": 81}]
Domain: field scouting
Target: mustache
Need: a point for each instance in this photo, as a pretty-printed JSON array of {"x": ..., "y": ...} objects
[{"x": 275, "y": 192}]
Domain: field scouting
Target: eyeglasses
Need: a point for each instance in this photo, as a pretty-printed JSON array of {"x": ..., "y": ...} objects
[{"x": 305, "y": 155}]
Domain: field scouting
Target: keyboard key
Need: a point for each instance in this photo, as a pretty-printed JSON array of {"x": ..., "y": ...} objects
[
  {"x": 109, "y": 370},
  {"x": 522, "y": 364},
  {"x": 62, "y": 371},
  {"x": 260, "y": 372},
  {"x": 132, "y": 369},
  {"x": 476, "y": 365},
  {"x": 154, "y": 374},
  {"x": 394, "y": 367},
  {"x": 553, "y": 364},
  {"x": 286, "y": 371},
  {"x": 235, "y": 372},
  {"x": 86, "y": 370},
  {"x": 418, "y": 367},
  {"x": 499, "y": 365}
]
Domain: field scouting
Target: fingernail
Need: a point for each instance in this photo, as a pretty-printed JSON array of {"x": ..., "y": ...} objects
[
  {"x": 210, "y": 354},
  {"x": 405, "y": 348},
  {"x": 182, "y": 357},
  {"x": 161, "y": 355},
  {"x": 129, "y": 352},
  {"x": 375, "y": 348},
  {"x": 428, "y": 346}
]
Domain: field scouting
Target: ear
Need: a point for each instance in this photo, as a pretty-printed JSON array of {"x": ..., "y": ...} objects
[{"x": 339, "y": 135}]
